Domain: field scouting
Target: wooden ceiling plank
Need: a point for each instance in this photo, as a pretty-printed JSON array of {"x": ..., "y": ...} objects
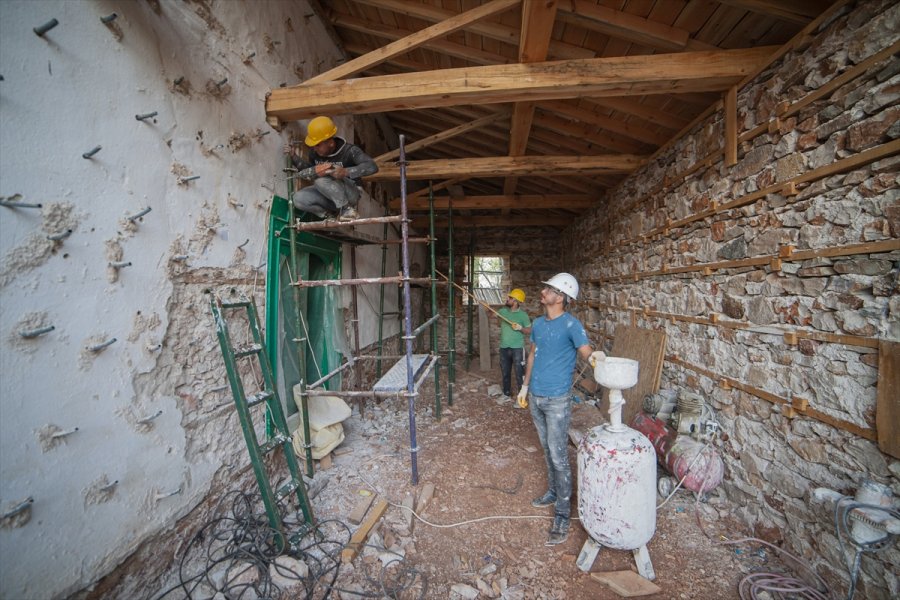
[
  {"x": 627, "y": 26},
  {"x": 473, "y": 55},
  {"x": 488, "y": 29},
  {"x": 584, "y": 116},
  {"x": 413, "y": 40},
  {"x": 501, "y": 166},
  {"x": 439, "y": 137},
  {"x": 641, "y": 111},
  {"x": 800, "y": 12},
  {"x": 619, "y": 76}
]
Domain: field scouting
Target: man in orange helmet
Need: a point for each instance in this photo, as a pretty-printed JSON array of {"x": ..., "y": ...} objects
[{"x": 335, "y": 167}]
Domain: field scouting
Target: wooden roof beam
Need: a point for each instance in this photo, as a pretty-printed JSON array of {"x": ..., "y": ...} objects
[
  {"x": 502, "y": 166},
  {"x": 440, "y": 136},
  {"x": 517, "y": 202},
  {"x": 465, "y": 222},
  {"x": 617, "y": 76},
  {"x": 619, "y": 24},
  {"x": 414, "y": 40}
]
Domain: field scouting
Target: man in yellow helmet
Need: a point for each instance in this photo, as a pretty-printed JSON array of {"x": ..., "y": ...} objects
[
  {"x": 335, "y": 167},
  {"x": 514, "y": 326}
]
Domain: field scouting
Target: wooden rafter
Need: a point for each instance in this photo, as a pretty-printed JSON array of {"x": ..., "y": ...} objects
[
  {"x": 619, "y": 76},
  {"x": 441, "y": 136},
  {"x": 576, "y": 202},
  {"x": 469, "y": 222},
  {"x": 501, "y": 166},
  {"x": 414, "y": 40},
  {"x": 795, "y": 11}
]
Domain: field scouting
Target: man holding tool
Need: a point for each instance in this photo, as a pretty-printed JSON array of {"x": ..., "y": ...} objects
[
  {"x": 514, "y": 326},
  {"x": 557, "y": 340},
  {"x": 335, "y": 167}
]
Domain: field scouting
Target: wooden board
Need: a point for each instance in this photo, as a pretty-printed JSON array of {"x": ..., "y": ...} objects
[
  {"x": 887, "y": 412},
  {"x": 627, "y": 583},
  {"x": 648, "y": 347},
  {"x": 361, "y": 535},
  {"x": 359, "y": 511},
  {"x": 484, "y": 340}
]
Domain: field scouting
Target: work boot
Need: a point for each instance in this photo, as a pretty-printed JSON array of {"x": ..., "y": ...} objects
[
  {"x": 559, "y": 532},
  {"x": 548, "y": 499},
  {"x": 348, "y": 213}
]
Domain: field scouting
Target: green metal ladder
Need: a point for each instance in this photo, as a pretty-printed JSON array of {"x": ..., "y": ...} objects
[{"x": 268, "y": 395}]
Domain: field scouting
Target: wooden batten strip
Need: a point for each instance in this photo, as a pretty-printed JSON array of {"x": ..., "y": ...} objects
[{"x": 793, "y": 404}]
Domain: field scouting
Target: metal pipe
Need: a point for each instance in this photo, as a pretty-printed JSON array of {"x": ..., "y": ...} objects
[
  {"x": 381, "y": 303},
  {"x": 191, "y": 178},
  {"x": 470, "y": 309},
  {"x": 62, "y": 434},
  {"x": 108, "y": 18},
  {"x": 58, "y": 237},
  {"x": 91, "y": 152},
  {"x": 137, "y": 216},
  {"x": 407, "y": 317},
  {"x": 434, "y": 304},
  {"x": 14, "y": 204},
  {"x": 40, "y": 30},
  {"x": 147, "y": 420},
  {"x": 335, "y": 224},
  {"x": 354, "y": 299},
  {"x": 328, "y": 376},
  {"x": 362, "y": 281},
  {"x": 19, "y": 508},
  {"x": 33, "y": 333},
  {"x": 102, "y": 345},
  {"x": 146, "y": 116},
  {"x": 424, "y": 326},
  {"x": 451, "y": 307},
  {"x": 119, "y": 264}
]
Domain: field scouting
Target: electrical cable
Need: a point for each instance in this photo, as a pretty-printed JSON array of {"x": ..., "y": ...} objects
[{"x": 235, "y": 552}]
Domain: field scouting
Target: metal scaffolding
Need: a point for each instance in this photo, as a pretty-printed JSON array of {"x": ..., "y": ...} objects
[{"x": 411, "y": 368}]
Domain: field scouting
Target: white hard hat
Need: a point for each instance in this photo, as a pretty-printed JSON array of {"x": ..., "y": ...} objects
[{"x": 565, "y": 283}]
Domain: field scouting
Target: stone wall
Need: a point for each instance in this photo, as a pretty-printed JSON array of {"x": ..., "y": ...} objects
[{"x": 775, "y": 278}]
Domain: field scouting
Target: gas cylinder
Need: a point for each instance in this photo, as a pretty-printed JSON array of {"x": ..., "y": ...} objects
[
  {"x": 699, "y": 464},
  {"x": 617, "y": 474}
]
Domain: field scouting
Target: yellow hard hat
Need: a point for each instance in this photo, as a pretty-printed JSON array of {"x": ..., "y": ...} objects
[
  {"x": 319, "y": 130},
  {"x": 518, "y": 295}
]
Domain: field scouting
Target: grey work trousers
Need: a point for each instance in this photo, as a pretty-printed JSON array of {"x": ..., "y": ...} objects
[
  {"x": 551, "y": 416},
  {"x": 327, "y": 195}
]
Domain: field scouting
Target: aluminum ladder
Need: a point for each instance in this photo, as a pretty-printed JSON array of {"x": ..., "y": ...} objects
[{"x": 268, "y": 395}]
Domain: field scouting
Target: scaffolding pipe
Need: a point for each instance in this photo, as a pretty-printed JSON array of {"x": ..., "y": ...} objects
[
  {"x": 434, "y": 305},
  {"x": 451, "y": 307},
  {"x": 424, "y": 326},
  {"x": 470, "y": 309},
  {"x": 361, "y": 281},
  {"x": 328, "y": 376},
  {"x": 333, "y": 224},
  {"x": 381, "y": 303},
  {"x": 354, "y": 300},
  {"x": 407, "y": 317}
]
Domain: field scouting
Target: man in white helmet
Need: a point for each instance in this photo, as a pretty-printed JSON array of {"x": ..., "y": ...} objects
[
  {"x": 557, "y": 339},
  {"x": 334, "y": 167}
]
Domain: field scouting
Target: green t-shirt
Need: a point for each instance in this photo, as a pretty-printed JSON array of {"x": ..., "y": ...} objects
[{"x": 509, "y": 337}]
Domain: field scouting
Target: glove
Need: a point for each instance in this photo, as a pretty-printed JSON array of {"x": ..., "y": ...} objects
[
  {"x": 522, "y": 398},
  {"x": 516, "y": 327},
  {"x": 596, "y": 356}
]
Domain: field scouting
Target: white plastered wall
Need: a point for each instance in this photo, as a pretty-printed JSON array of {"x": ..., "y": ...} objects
[{"x": 77, "y": 87}]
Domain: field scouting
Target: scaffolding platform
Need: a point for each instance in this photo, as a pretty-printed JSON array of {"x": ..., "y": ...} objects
[{"x": 395, "y": 379}]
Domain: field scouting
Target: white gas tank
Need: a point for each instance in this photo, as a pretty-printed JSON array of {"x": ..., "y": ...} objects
[
  {"x": 617, "y": 469},
  {"x": 617, "y": 487}
]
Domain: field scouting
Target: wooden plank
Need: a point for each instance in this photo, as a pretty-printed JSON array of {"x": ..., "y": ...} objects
[
  {"x": 414, "y": 40},
  {"x": 612, "y": 76},
  {"x": 441, "y": 136},
  {"x": 730, "y": 142},
  {"x": 887, "y": 412},
  {"x": 425, "y": 497},
  {"x": 362, "y": 533},
  {"x": 627, "y": 584},
  {"x": 494, "y": 221},
  {"x": 359, "y": 511},
  {"x": 648, "y": 347},
  {"x": 484, "y": 339},
  {"x": 407, "y": 515}
]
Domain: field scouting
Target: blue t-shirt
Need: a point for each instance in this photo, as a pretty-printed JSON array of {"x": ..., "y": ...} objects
[{"x": 557, "y": 343}]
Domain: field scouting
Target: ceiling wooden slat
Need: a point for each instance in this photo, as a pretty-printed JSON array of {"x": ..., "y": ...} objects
[
  {"x": 518, "y": 202},
  {"x": 500, "y": 166}
]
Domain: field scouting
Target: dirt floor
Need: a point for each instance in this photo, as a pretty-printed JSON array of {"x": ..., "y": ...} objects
[
  {"x": 477, "y": 537},
  {"x": 482, "y": 534}
]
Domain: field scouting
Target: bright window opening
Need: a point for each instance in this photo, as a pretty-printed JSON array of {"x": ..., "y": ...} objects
[{"x": 491, "y": 278}]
